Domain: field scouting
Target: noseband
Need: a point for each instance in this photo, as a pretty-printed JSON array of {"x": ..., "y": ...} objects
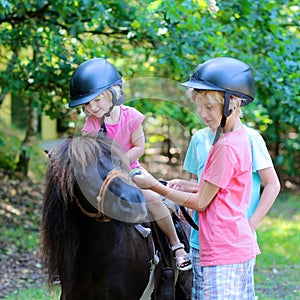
[{"x": 99, "y": 216}]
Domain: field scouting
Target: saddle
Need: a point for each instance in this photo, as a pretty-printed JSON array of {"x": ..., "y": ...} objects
[{"x": 165, "y": 272}]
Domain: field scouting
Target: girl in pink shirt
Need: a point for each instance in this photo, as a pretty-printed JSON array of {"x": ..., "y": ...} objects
[
  {"x": 228, "y": 245},
  {"x": 127, "y": 132},
  {"x": 97, "y": 86}
]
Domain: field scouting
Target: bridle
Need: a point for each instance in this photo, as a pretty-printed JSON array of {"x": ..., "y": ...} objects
[{"x": 100, "y": 216}]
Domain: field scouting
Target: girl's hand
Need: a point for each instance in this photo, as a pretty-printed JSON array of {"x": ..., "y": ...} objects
[
  {"x": 175, "y": 184},
  {"x": 252, "y": 226},
  {"x": 145, "y": 180}
]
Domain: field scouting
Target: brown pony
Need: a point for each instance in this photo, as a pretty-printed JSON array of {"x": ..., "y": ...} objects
[{"x": 91, "y": 233}]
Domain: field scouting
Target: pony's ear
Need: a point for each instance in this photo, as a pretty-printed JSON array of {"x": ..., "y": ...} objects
[{"x": 47, "y": 153}]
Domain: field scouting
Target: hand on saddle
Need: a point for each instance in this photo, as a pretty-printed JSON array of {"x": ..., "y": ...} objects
[{"x": 144, "y": 179}]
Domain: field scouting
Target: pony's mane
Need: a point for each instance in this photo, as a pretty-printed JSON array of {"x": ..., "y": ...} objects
[
  {"x": 79, "y": 152},
  {"x": 58, "y": 210}
]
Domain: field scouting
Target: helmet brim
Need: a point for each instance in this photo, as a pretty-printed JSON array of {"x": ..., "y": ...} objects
[
  {"x": 202, "y": 85},
  {"x": 86, "y": 98}
]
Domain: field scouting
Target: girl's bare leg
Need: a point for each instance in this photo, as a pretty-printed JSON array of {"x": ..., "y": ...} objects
[{"x": 162, "y": 217}]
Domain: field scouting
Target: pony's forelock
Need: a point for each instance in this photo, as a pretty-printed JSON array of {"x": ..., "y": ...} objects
[
  {"x": 78, "y": 153},
  {"x": 83, "y": 151}
]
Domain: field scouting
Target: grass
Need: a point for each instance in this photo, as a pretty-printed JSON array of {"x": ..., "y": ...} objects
[
  {"x": 35, "y": 294},
  {"x": 277, "y": 268},
  {"x": 20, "y": 237}
]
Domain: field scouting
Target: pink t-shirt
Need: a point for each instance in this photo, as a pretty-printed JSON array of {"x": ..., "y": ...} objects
[
  {"x": 130, "y": 120},
  {"x": 225, "y": 235}
]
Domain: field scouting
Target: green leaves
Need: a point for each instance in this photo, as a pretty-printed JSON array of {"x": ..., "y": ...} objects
[{"x": 42, "y": 43}]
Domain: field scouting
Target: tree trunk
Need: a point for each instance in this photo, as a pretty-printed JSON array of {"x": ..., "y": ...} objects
[
  {"x": 27, "y": 143},
  {"x": 2, "y": 97}
]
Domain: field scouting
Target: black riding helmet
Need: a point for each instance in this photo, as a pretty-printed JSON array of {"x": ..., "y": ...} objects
[
  {"x": 226, "y": 74},
  {"x": 91, "y": 78}
]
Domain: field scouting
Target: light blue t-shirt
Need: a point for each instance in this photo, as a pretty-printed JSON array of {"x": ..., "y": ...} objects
[{"x": 196, "y": 157}]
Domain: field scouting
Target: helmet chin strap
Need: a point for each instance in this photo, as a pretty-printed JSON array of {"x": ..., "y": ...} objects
[
  {"x": 103, "y": 127},
  {"x": 102, "y": 130},
  {"x": 109, "y": 112},
  {"x": 114, "y": 98},
  {"x": 226, "y": 113},
  {"x": 219, "y": 129}
]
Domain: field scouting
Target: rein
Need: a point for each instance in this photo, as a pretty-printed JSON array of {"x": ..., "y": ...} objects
[{"x": 99, "y": 216}]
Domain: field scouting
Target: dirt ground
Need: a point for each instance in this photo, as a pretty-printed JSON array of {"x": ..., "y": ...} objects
[
  {"x": 20, "y": 204},
  {"x": 19, "y": 208}
]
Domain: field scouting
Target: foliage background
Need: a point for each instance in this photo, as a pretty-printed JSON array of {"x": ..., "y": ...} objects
[{"x": 42, "y": 42}]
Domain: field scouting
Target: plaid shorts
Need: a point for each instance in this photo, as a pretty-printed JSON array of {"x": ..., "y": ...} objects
[
  {"x": 197, "y": 273},
  {"x": 232, "y": 282}
]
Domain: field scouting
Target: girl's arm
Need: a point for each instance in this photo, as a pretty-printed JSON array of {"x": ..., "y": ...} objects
[
  {"x": 270, "y": 191},
  {"x": 138, "y": 142},
  {"x": 198, "y": 200},
  {"x": 183, "y": 185}
]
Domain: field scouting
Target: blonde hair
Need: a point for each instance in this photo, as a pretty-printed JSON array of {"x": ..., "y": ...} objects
[
  {"x": 215, "y": 97},
  {"x": 118, "y": 90}
]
